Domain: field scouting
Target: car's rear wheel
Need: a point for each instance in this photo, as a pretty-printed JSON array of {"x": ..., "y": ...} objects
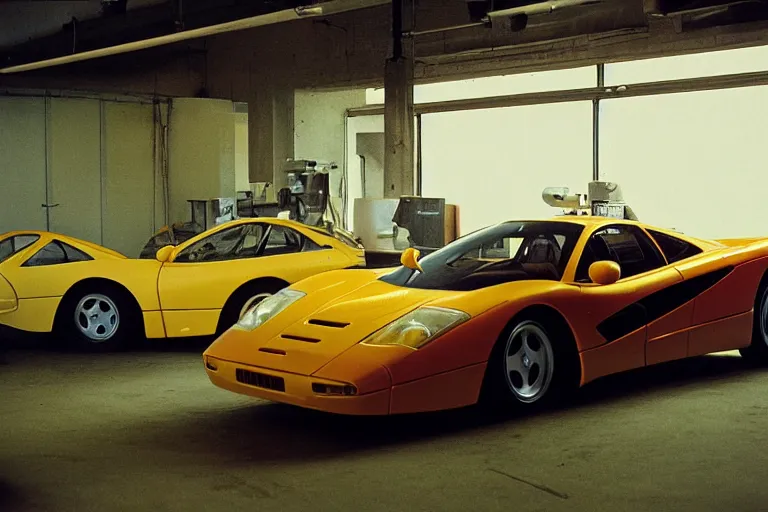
[
  {"x": 533, "y": 364},
  {"x": 243, "y": 299},
  {"x": 97, "y": 318},
  {"x": 757, "y": 351}
]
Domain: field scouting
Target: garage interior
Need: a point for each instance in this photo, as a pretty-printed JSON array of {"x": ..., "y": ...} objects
[{"x": 116, "y": 116}]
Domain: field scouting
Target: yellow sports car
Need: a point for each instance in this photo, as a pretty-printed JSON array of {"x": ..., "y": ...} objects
[
  {"x": 99, "y": 298},
  {"x": 515, "y": 315}
]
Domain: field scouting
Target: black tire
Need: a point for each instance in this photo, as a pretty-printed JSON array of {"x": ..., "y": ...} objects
[
  {"x": 757, "y": 351},
  {"x": 114, "y": 322},
  {"x": 245, "y": 297},
  {"x": 550, "y": 359}
]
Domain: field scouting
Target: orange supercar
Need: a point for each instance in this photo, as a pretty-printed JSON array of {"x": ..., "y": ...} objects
[{"x": 517, "y": 314}]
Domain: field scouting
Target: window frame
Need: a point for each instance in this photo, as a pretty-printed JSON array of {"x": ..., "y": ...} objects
[
  {"x": 638, "y": 232},
  {"x": 653, "y": 233},
  {"x": 303, "y": 240},
  {"x": 266, "y": 231},
  {"x": 243, "y": 228},
  {"x": 14, "y": 250},
  {"x": 63, "y": 247}
]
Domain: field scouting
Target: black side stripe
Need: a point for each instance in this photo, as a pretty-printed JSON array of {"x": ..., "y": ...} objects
[{"x": 658, "y": 304}]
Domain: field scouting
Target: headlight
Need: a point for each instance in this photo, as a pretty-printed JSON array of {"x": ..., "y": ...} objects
[
  {"x": 417, "y": 328},
  {"x": 268, "y": 308}
]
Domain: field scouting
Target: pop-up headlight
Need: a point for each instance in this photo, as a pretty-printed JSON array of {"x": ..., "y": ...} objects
[
  {"x": 417, "y": 328},
  {"x": 267, "y": 309}
]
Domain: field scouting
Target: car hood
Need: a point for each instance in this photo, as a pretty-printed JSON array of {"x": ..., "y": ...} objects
[{"x": 340, "y": 309}]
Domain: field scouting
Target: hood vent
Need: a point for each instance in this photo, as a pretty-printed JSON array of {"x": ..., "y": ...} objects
[
  {"x": 328, "y": 323},
  {"x": 299, "y": 338}
]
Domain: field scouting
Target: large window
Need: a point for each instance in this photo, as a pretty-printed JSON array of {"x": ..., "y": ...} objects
[
  {"x": 690, "y": 161},
  {"x": 495, "y": 163},
  {"x": 725, "y": 62},
  {"x": 693, "y": 162},
  {"x": 504, "y": 85}
]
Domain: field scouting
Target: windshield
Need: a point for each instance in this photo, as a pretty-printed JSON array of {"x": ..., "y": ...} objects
[{"x": 511, "y": 251}]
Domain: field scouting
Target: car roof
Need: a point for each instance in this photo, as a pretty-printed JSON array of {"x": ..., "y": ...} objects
[
  {"x": 593, "y": 221},
  {"x": 77, "y": 242}
]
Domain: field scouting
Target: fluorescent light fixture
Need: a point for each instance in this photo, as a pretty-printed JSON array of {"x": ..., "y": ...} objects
[
  {"x": 540, "y": 8},
  {"x": 309, "y": 11}
]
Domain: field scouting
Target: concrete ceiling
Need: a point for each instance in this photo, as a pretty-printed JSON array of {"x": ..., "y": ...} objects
[{"x": 40, "y": 30}]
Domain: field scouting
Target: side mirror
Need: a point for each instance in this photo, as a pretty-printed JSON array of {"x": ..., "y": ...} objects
[
  {"x": 163, "y": 254},
  {"x": 604, "y": 272},
  {"x": 410, "y": 259}
]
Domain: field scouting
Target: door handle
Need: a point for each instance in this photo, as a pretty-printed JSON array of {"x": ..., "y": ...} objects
[{"x": 49, "y": 205}]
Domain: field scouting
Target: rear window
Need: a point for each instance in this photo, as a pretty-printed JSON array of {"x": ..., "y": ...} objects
[
  {"x": 11, "y": 246},
  {"x": 673, "y": 248}
]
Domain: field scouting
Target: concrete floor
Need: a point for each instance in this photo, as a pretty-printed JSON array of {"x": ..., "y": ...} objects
[{"x": 146, "y": 431}]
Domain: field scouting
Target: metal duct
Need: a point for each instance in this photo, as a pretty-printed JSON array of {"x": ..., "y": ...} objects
[{"x": 309, "y": 11}]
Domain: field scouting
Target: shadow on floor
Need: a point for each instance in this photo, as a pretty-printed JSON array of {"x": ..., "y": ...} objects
[
  {"x": 278, "y": 433},
  {"x": 16, "y": 340},
  {"x": 10, "y": 497}
]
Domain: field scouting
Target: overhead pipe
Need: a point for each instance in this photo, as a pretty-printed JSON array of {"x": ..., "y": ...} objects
[
  {"x": 540, "y": 8},
  {"x": 652, "y": 8},
  {"x": 523, "y": 10},
  {"x": 303, "y": 12}
]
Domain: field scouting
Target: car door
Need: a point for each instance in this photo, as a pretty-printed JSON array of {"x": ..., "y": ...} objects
[
  {"x": 194, "y": 285},
  {"x": 636, "y": 320},
  {"x": 202, "y": 274}
]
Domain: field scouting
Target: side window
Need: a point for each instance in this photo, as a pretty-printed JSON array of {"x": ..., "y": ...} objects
[
  {"x": 626, "y": 245},
  {"x": 56, "y": 253},
  {"x": 223, "y": 245},
  {"x": 252, "y": 237},
  {"x": 282, "y": 240},
  {"x": 11, "y": 246},
  {"x": 74, "y": 254},
  {"x": 673, "y": 248},
  {"x": 310, "y": 245}
]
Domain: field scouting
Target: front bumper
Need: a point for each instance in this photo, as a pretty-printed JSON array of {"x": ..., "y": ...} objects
[
  {"x": 290, "y": 388},
  {"x": 447, "y": 390}
]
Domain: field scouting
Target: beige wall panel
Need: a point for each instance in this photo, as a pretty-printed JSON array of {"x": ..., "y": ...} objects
[
  {"x": 74, "y": 167},
  {"x": 128, "y": 177},
  {"x": 22, "y": 163},
  {"x": 201, "y": 153}
]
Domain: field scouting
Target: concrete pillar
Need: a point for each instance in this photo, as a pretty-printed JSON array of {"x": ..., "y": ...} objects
[
  {"x": 270, "y": 132},
  {"x": 398, "y": 105}
]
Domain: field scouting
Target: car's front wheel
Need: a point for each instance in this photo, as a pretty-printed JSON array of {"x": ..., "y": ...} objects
[
  {"x": 97, "y": 318},
  {"x": 533, "y": 364}
]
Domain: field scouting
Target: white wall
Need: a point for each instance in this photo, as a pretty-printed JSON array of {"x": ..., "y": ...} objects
[
  {"x": 242, "y": 182},
  {"x": 354, "y": 184},
  {"x": 74, "y": 167},
  {"x": 202, "y": 154},
  {"x": 319, "y": 130},
  {"x": 128, "y": 196},
  {"x": 22, "y": 164},
  {"x": 371, "y": 147},
  {"x": 95, "y": 160}
]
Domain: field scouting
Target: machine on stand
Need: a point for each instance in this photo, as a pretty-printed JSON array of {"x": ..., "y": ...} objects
[
  {"x": 307, "y": 198},
  {"x": 204, "y": 214},
  {"x": 604, "y": 199}
]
